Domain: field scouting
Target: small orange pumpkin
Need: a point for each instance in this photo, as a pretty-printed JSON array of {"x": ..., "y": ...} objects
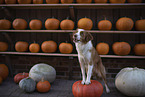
[
  {"x": 43, "y": 86},
  {"x": 66, "y": 1},
  {"x": 1, "y": 80},
  {"x": 49, "y": 46},
  {"x": 66, "y": 48},
  {"x": 37, "y": 1},
  {"x": 134, "y": 1},
  {"x": 34, "y": 48},
  {"x": 52, "y": 1},
  {"x": 67, "y": 24},
  {"x": 100, "y": 1},
  {"x": 4, "y": 71},
  {"x": 85, "y": 23},
  {"x": 124, "y": 24},
  {"x": 121, "y": 48},
  {"x": 19, "y": 24},
  {"x": 83, "y": 1},
  {"x": 21, "y": 46},
  {"x": 117, "y": 1},
  {"x": 24, "y": 1},
  {"x": 140, "y": 25},
  {"x": 139, "y": 49},
  {"x": 3, "y": 46},
  {"x": 102, "y": 48},
  {"x": 104, "y": 25},
  {"x": 35, "y": 24},
  {"x": 52, "y": 24},
  {"x": 18, "y": 77},
  {"x": 5, "y": 24}
]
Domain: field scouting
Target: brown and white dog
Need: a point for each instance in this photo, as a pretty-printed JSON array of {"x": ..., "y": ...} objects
[{"x": 88, "y": 57}]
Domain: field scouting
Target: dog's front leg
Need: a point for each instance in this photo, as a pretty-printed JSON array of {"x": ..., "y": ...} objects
[
  {"x": 89, "y": 74},
  {"x": 82, "y": 65}
]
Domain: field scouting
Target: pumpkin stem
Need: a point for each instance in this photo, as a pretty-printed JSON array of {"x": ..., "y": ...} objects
[
  {"x": 42, "y": 80},
  {"x": 67, "y": 18},
  {"x": 23, "y": 73},
  {"x": 141, "y": 17}
]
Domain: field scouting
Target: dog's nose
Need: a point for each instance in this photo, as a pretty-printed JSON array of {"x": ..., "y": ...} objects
[{"x": 75, "y": 35}]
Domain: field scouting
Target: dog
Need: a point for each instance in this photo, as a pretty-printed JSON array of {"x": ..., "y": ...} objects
[{"x": 90, "y": 61}]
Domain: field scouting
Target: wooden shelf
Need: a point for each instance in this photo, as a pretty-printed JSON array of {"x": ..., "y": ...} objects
[
  {"x": 69, "y": 55},
  {"x": 75, "y": 5}
]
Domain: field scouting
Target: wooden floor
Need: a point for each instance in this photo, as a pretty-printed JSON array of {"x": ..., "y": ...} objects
[{"x": 60, "y": 88}]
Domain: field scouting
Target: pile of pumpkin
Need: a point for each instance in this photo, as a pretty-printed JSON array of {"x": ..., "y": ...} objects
[
  {"x": 122, "y": 24},
  {"x": 65, "y": 1}
]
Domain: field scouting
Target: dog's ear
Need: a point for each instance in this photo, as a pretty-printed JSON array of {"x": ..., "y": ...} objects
[{"x": 88, "y": 37}]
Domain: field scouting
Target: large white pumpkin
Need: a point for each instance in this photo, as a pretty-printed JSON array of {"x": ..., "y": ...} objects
[
  {"x": 131, "y": 81},
  {"x": 42, "y": 70}
]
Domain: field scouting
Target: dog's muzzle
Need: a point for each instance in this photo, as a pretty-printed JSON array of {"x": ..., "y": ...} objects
[{"x": 75, "y": 39}]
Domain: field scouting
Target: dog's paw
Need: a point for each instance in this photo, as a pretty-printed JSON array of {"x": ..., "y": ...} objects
[
  {"x": 83, "y": 82},
  {"x": 87, "y": 82}
]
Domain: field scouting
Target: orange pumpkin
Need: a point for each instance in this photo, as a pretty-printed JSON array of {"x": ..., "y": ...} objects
[
  {"x": 83, "y": 1},
  {"x": 104, "y": 25},
  {"x": 66, "y": 1},
  {"x": 67, "y": 25},
  {"x": 43, "y": 86},
  {"x": 102, "y": 48},
  {"x": 52, "y": 1},
  {"x": 5, "y": 24},
  {"x": 49, "y": 46},
  {"x": 85, "y": 23},
  {"x": 18, "y": 77},
  {"x": 37, "y": 1},
  {"x": 1, "y": 1},
  {"x": 3, "y": 46},
  {"x": 100, "y": 1},
  {"x": 117, "y": 1},
  {"x": 134, "y": 1},
  {"x": 140, "y": 25},
  {"x": 19, "y": 24},
  {"x": 95, "y": 89},
  {"x": 21, "y": 46},
  {"x": 124, "y": 24},
  {"x": 1, "y": 80},
  {"x": 10, "y": 1},
  {"x": 121, "y": 48},
  {"x": 52, "y": 24},
  {"x": 35, "y": 24},
  {"x": 34, "y": 48},
  {"x": 4, "y": 71},
  {"x": 66, "y": 48},
  {"x": 24, "y": 1},
  {"x": 139, "y": 49}
]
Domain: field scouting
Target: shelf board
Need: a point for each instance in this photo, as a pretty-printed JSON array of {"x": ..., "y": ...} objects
[
  {"x": 68, "y": 31},
  {"x": 75, "y": 5},
  {"x": 70, "y": 55}
]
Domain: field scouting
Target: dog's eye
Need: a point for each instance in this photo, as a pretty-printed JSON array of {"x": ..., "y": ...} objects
[{"x": 81, "y": 33}]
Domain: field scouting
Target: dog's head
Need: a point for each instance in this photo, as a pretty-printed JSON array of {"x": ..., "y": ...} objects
[{"x": 81, "y": 36}]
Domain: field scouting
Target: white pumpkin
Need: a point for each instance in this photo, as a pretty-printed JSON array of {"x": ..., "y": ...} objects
[
  {"x": 131, "y": 81},
  {"x": 38, "y": 71}
]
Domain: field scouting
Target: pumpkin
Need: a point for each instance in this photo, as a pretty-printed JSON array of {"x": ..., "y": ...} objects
[
  {"x": 19, "y": 24},
  {"x": 139, "y": 49},
  {"x": 24, "y": 1},
  {"x": 131, "y": 81},
  {"x": 5, "y": 24},
  {"x": 100, "y": 1},
  {"x": 21, "y": 46},
  {"x": 1, "y": 1},
  {"x": 49, "y": 46},
  {"x": 67, "y": 25},
  {"x": 3, "y": 46},
  {"x": 34, "y": 48},
  {"x": 27, "y": 85},
  {"x": 66, "y": 48},
  {"x": 10, "y": 1},
  {"x": 37, "y": 1},
  {"x": 134, "y": 1},
  {"x": 117, "y": 1},
  {"x": 66, "y": 1},
  {"x": 52, "y": 24},
  {"x": 52, "y": 1},
  {"x": 102, "y": 48},
  {"x": 43, "y": 86},
  {"x": 95, "y": 89},
  {"x": 83, "y": 1},
  {"x": 104, "y": 25},
  {"x": 1, "y": 80},
  {"x": 121, "y": 48},
  {"x": 4, "y": 71},
  {"x": 42, "y": 70},
  {"x": 35, "y": 24},
  {"x": 18, "y": 77},
  {"x": 124, "y": 24},
  {"x": 140, "y": 25},
  {"x": 85, "y": 23}
]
